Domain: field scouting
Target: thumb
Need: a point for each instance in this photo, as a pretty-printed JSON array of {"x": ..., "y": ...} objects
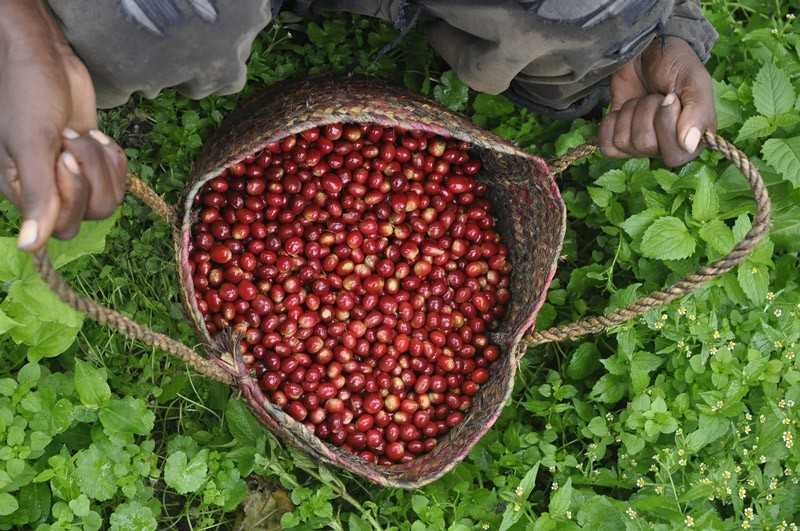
[
  {"x": 698, "y": 114},
  {"x": 35, "y": 157}
]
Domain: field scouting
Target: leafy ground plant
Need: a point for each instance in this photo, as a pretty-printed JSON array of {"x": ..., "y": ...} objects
[{"x": 686, "y": 418}]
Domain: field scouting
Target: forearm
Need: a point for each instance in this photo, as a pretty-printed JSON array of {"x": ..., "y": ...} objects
[{"x": 27, "y": 28}]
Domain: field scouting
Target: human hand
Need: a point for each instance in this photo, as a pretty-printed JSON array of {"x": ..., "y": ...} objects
[
  {"x": 662, "y": 102},
  {"x": 54, "y": 163}
]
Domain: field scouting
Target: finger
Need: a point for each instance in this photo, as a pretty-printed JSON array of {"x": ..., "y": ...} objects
[
  {"x": 666, "y": 122},
  {"x": 100, "y": 167},
  {"x": 117, "y": 163},
  {"x": 622, "y": 130},
  {"x": 607, "y": 137},
  {"x": 74, "y": 191},
  {"x": 698, "y": 115},
  {"x": 35, "y": 157},
  {"x": 626, "y": 85},
  {"x": 643, "y": 129}
]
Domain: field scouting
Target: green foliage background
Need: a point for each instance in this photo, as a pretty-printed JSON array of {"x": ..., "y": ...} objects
[{"x": 685, "y": 418}]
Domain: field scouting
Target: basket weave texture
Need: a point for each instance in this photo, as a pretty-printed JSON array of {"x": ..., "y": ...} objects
[{"x": 526, "y": 203}]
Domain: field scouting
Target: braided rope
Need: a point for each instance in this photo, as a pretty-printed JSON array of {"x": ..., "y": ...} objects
[
  {"x": 689, "y": 283},
  {"x": 113, "y": 319}
]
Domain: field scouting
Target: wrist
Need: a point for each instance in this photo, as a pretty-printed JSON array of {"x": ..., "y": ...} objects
[{"x": 26, "y": 25}]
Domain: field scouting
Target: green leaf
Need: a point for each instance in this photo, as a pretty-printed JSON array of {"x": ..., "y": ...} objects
[
  {"x": 90, "y": 240},
  {"x": 8, "y": 504},
  {"x": 90, "y": 383},
  {"x": 783, "y": 154},
  {"x": 706, "y": 202},
  {"x": 710, "y": 429},
  {"x": 127, "y": 415},
  {"x": 493, "y": 106},
  {"x": 718, "y": 236},
  {"x": 560, "y": 500},
  {"x": 419, "y": 503},
  {"x": 29, "y": 375},
  {"x": 755, "y": 127},
  {"x": 94, "y": 473},
  {"x": 754, "y": 281},
  {"x": 511, "y": 516},
  {"x": 612, "y": 180},
  {"x": 772, "y": 91},
  {"x": 638, "y": 223},
  {"x": 242, "y": 424},
  {"x": 186, "y": 476},
  {"x": 133, "y": 516},
  {"x": 600, "y": 196},
  {"x": 728, "y": 107},
  {"x": 451, "y": 92},
  {"x": 668, "y": 239},
  {"x": 741, "y": 227},
  {"x": 356, "y": 523},
  {"x": 6, "y": 322},
  {"x": 583, "y": 361},
  {"x": 80, "y": 505}
]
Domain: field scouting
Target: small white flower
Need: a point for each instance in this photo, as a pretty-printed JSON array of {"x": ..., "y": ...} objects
[
  {"x": 631, "y": 513},
  {"x": 519, "y": 491},
  {"x": 689, "y": 522},
  {"x": 568, "y": 514},
  {"x": 782, "y": 403},
  {"x": 554, "y": 486},
  {"x": 778, "y": 344},
  {"x": 790, "y": 16},
  {"x": 682, "y": 311},
  {"x": 746, "y": 524},
  {"x": 773, "y": 483},
  {"x": 774, "y": 31},
  {"x": 787, "y": 421},
  {"x": 762, "y": 419},
  {"x": 692, "y": 317},
  {"x": 778, "y": 312},
  {"x": 716, "y": 334},
  {"x": 659, "y": 489},
  {"x": 682, "y": 462},
  {"x": 746, "y": 428},
  {"x": 788, "y": 439},
  {"x": 726, "y": 475},
  {"x": 731, "y": 345},
  {"x": 770, "y": 296},
  {"x": 640, "y": 483}
]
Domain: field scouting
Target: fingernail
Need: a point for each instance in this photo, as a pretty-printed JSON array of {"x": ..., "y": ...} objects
[
  {"x": 70, "y": 162},
  {"x": 100, "y": 137},
  {"x": 692, "y": 140},
  {"x": 70, "y": 134},
  {"x": 28, "y": 234},
  {"x": 669, "y": 99}
]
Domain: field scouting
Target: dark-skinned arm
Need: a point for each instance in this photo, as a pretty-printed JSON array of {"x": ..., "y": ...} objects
[{"x": 54, "y": 163}]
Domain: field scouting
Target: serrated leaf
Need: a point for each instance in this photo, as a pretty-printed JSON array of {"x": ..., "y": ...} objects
[
  {"x": 600, "y": 196},
  {"x": 94, "y": 473},
  {"x": 727, "y": 105},
  {"x": 638, "y": 223},
  {"x": 755, "y": 127},
  {"x": 90, "y": 240},
  {"x": 612, "y": 180},
  {"x": 754, "y": 281},
  {"x": 186, "y": 476},
  {"x": 668, "y": 239},
  {"x": 783, "y": 154},
  {"x": 718, "y": 236},
  {"x": 741, "y": 227},
  {"x": 451, "y": 92},
  {"x": 705, "y": 204},
  {"x": 772, "y": 91},
  {"x": 127, "y": 415},
  {"x": 242, "y": 423},
  {"x": 133, "y": 516}
]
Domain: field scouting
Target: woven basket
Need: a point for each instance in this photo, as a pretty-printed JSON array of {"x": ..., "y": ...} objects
[{"x": 530, "y": 217}]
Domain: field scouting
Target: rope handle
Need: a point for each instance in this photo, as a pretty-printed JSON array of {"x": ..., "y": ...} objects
[
  {"x": 212, "y": 368},
  {"x": 687, "y": 284}
]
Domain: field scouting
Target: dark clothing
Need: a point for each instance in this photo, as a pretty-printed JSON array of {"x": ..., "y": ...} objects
[{"x": 554, "y": 56}]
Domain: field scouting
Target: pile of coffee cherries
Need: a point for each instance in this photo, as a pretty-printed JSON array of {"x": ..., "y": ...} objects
[{"x": 360, "y": 267}]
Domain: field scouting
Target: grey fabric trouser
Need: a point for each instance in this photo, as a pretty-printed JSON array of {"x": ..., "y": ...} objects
[{"x": 553, "y": 56}]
